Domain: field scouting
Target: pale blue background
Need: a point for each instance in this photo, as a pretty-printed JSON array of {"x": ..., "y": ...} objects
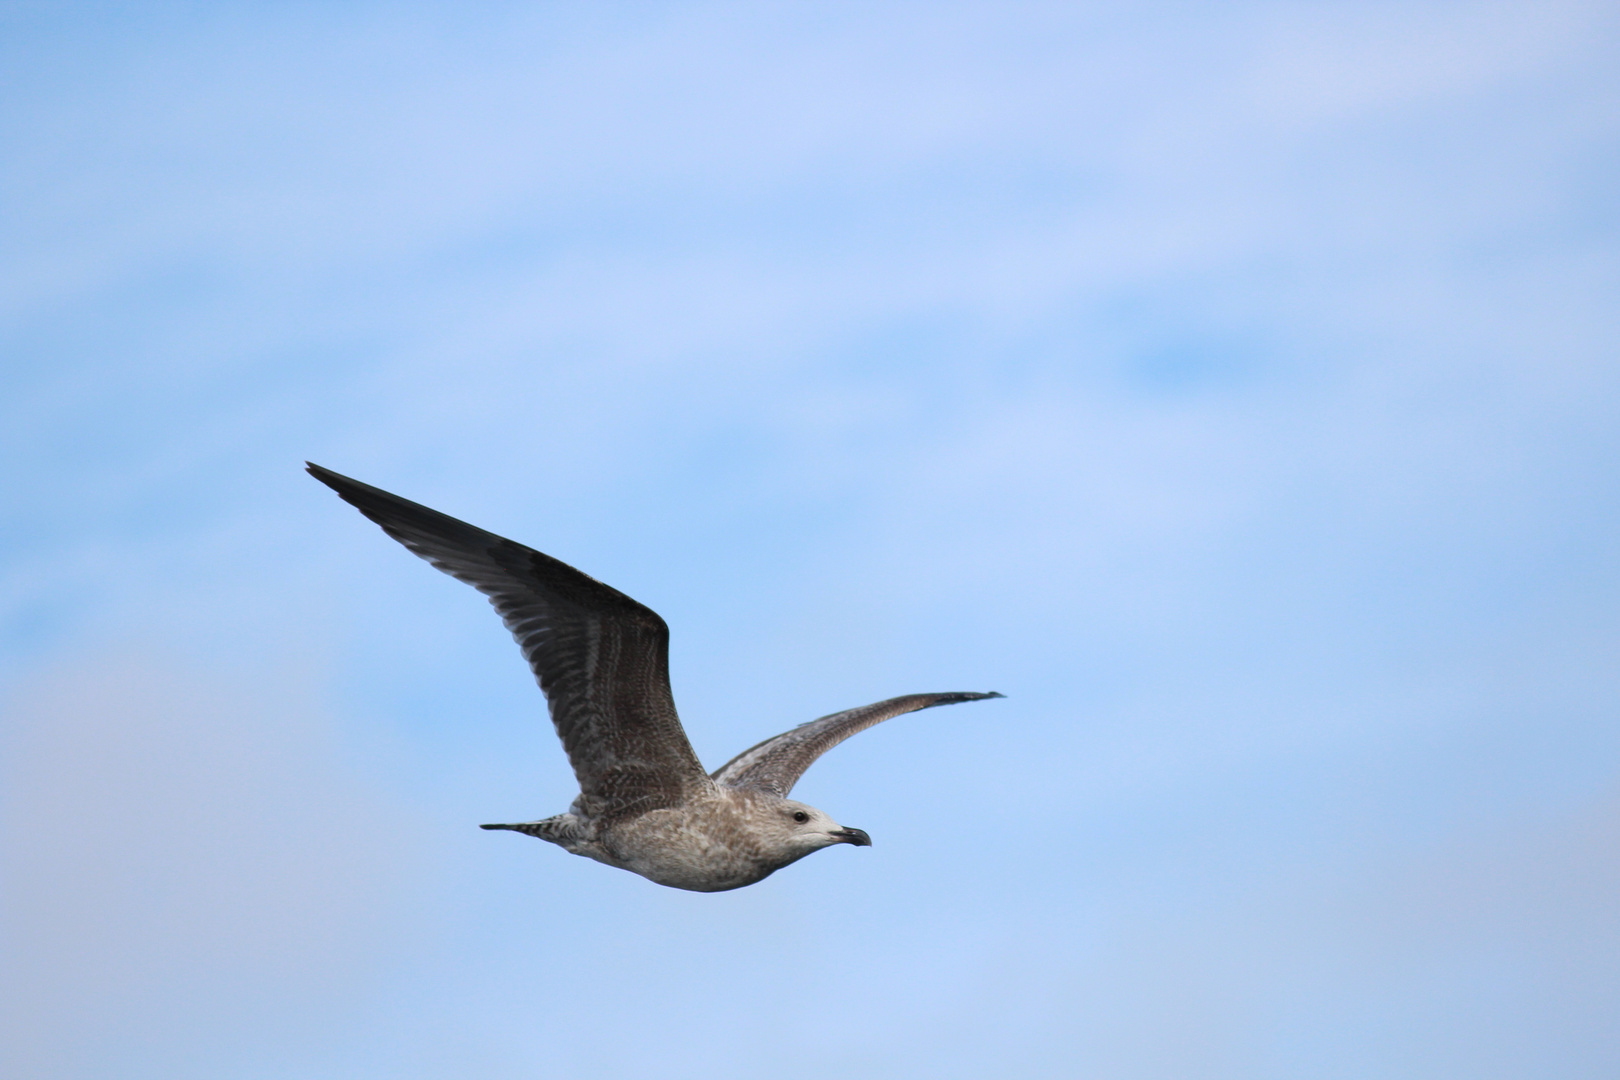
[{"x": 1232, "y": 385}]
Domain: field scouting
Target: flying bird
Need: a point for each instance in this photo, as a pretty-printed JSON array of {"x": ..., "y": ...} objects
[{"x": 645, "y": 803}]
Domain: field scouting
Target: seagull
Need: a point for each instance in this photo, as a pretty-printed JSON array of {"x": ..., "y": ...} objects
[{"x": 645, "y": 804}]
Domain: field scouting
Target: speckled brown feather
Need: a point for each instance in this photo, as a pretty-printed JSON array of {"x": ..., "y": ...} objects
[
  {"x": 776, "y": 764},
  {"x": 601, "y": 658}
]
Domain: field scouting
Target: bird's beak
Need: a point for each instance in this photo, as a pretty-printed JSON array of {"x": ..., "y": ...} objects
[{"x": 852, "y": 836}]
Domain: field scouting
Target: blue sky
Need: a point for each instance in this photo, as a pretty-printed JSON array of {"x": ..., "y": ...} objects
[{"x": 1232, "y": 386}]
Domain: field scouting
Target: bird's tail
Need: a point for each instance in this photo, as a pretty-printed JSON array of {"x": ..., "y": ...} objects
[
  {"x": 565, "y": 830},
  {"x": 532, "y": 828}
]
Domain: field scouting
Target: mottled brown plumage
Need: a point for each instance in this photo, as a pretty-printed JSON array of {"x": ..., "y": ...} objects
[{"x": 602, "y": 660}]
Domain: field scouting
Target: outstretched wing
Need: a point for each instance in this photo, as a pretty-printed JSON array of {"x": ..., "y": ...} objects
[
  {"x": 601, "y": 658},
  {"x": 776, "y": 764}
]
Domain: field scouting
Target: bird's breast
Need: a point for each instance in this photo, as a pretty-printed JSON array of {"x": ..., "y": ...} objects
[{"x": 700, "y": 849}]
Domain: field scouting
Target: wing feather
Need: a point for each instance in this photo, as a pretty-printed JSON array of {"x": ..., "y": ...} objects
[
  {"x": 601, "y": 658},
  {"x": 776, "y": 764}
]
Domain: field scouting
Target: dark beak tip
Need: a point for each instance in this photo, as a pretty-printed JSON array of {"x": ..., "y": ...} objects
[{"x": 857, "y": 837}]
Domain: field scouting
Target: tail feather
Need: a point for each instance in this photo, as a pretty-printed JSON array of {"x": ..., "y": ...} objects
[
  {"x": 564, "y": 830},
  {"x": 529, "y": 828}
]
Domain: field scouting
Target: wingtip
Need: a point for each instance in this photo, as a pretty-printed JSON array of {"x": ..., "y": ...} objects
[
  {"x": 955, "y": 697},
  {"x": 345, "y": 486},
  {"x": 494, "y": 826}
]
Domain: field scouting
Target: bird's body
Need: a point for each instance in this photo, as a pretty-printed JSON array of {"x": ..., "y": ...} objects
[
  {"x": 725, "y": 839},
  {"x": 645, "y": 803}
]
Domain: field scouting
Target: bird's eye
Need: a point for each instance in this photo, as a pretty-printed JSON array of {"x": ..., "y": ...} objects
[{"x": 800, "y": 816}]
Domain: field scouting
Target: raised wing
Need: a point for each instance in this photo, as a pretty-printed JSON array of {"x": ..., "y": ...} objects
[
  {"x": 601, "y": 658},
  {"x": 776, "y": 764}
]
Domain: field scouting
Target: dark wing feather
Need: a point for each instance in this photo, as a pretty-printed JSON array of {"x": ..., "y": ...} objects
[
  {"x": 601, "y": 658},
  {"x": 776, "y": 764}
]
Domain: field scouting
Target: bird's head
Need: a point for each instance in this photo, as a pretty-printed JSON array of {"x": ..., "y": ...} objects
[{"x": 795, "y": 829}]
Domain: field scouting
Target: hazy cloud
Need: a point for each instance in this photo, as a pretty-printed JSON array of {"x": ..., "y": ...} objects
[{"x": 1231, "y": 387}]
